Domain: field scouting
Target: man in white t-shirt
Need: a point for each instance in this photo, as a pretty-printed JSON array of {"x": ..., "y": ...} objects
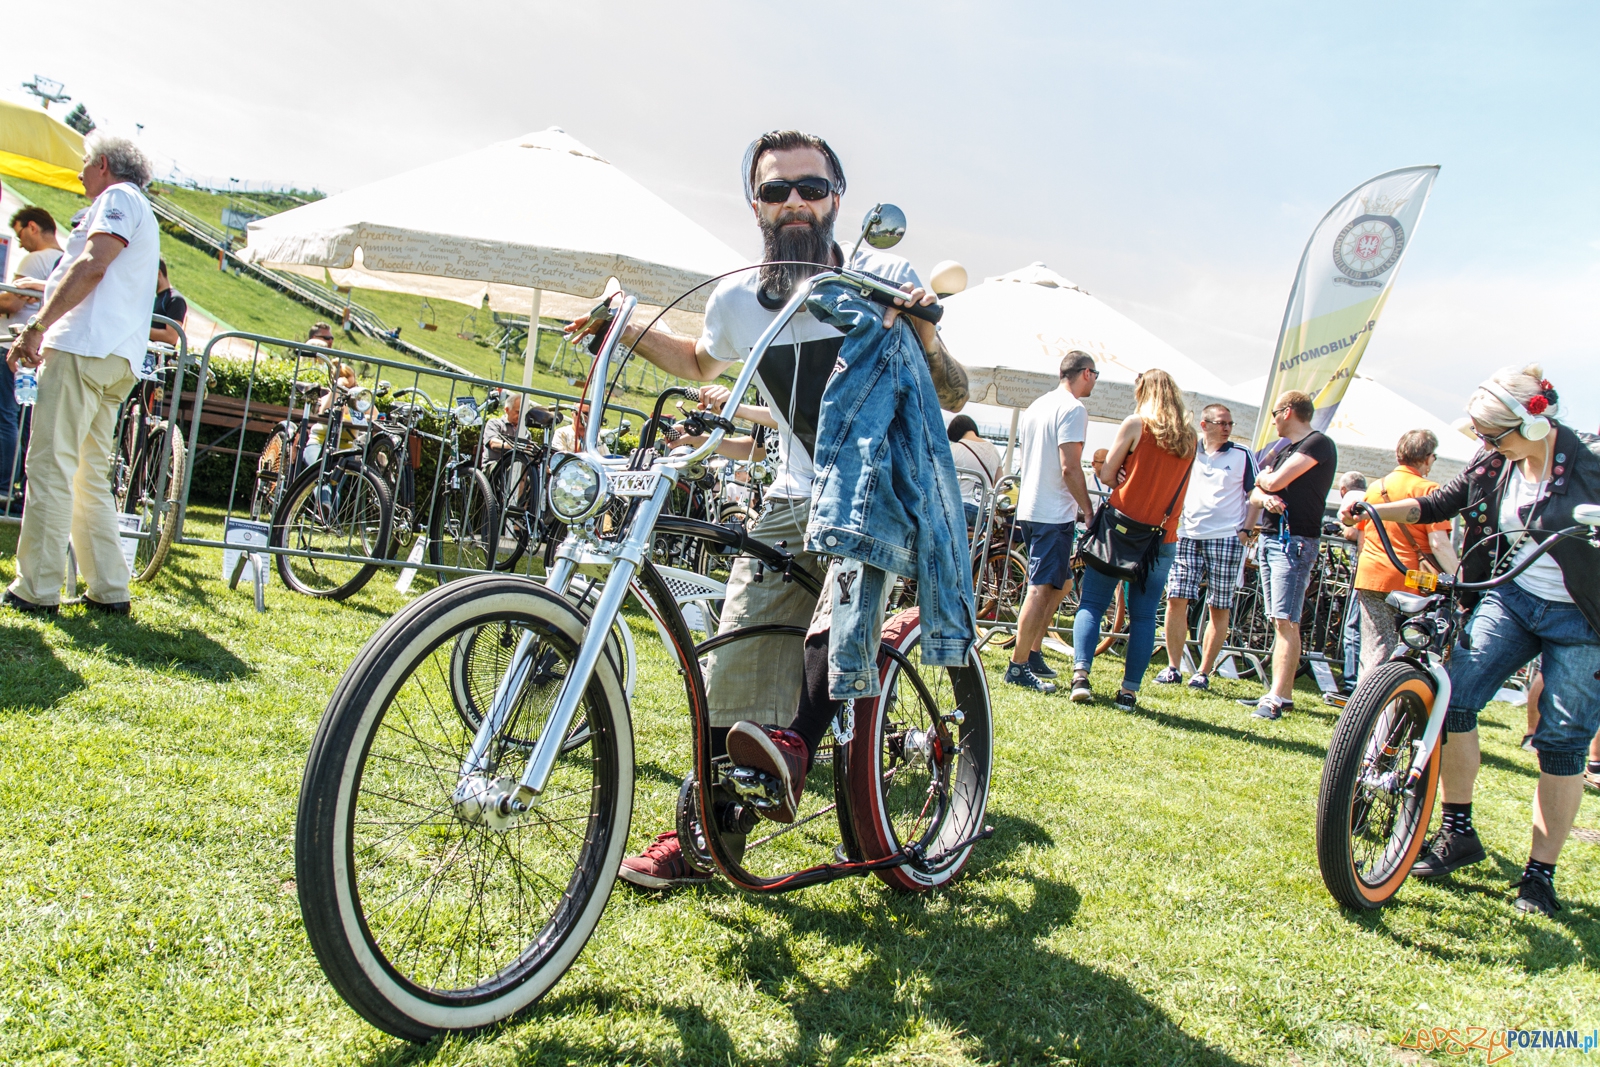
[
  {"x": 1218, "y": 522},
  {"x": 35, "y": 231},
  {"x": 792, "y": 182},
  {"x": 86, "y": 340},
  {"x": 1052, "y": 497}
]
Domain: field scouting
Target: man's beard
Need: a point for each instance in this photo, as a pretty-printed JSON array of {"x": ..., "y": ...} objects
[{"x": 812, "y": 243}]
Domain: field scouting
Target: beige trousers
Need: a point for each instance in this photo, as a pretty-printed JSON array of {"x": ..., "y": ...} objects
[{"x": 69, "y": 488}]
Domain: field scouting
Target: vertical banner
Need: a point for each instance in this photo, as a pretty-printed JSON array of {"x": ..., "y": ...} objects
[{"x": 1339, "y": 292}]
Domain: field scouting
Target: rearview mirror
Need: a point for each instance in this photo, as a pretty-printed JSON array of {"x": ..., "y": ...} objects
[{"x": 884, "y": 226}]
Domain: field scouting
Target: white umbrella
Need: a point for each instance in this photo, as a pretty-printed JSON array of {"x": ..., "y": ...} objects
[
  {"x": 1011, "y": 332},
  {"x": 506, "y": 222},
  {"x": 1369, "y": 423}
]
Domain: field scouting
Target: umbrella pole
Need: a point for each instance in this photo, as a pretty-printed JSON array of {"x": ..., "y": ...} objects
[
  {"x": 1011, "y": 443},
  {"x": 530, "y": 352}
]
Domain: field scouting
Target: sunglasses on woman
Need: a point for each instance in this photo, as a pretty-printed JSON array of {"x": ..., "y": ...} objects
[
  {"x": 776, "y": 192},
  {"x": 1494, "y": 442}
]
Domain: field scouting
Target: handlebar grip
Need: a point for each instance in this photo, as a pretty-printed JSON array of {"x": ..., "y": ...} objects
[
  {"x": 927, "y": 312},
  {"x": 691, "y": 393}
]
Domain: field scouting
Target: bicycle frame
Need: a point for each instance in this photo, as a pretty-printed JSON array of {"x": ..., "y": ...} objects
[{"x": 626, "y": 561}]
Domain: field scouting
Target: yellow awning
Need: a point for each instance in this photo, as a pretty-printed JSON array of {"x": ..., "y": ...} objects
[{"x": 34, "y": 146}]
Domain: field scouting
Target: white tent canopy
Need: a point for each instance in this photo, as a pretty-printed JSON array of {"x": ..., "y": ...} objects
[
  {"x": 1011, "y": 332},
  {"x": 1369, "y": 423},
  {"x": 541, "y": 212}
]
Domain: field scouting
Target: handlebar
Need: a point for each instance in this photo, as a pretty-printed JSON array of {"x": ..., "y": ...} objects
[{"x": 1454, "y": 582}]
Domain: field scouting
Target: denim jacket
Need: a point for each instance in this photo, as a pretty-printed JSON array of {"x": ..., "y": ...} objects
[{"x": 886, "y": 492}]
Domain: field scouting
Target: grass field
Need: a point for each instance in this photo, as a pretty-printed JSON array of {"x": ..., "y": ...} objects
[{"x": 1150, "y": 896}]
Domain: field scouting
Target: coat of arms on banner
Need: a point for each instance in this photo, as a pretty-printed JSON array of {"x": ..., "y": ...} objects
[{"x": 1372, "y": 242}]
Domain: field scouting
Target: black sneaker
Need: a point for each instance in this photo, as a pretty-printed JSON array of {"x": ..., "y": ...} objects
[
  {"x": 1126, "y": 701},
  {"x": 28, "y": 607},
  {"x": 1039, "y": 667},
  {"x": 1081, "y": 693},
  {"x": 1169, "y": 676},
  {"x": 1200, "y": 681},
  {"x": 1534, "y": 894},
  {"x": 119, "y": 607},
  {"x": 1447, "y": 851},
  {"x": 1019, "y": 674}
]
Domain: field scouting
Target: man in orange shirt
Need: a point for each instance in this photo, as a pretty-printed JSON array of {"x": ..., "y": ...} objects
[{"x": 1376, "y": 577}]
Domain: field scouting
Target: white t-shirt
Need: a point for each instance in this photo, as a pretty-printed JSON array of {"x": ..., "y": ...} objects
[
  {"x": 1543, "y": 579},
  {"x": 35, "y": 265},
  {"x": 1219, "y": 493},
  {"x": 1055, "y": 419},
  {"x": 114, "y": 319},
  {"x": 790, "y": 386}
]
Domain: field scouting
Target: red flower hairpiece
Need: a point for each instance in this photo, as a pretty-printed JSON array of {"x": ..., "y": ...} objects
[
  {"x": 1536, "y": 405},
  {"x": 1544, "y": 385}
]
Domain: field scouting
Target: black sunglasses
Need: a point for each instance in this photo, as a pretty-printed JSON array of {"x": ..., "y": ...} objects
[
  {"x": 1494, "y": 442},
  {"x": 776, "y": 192}
]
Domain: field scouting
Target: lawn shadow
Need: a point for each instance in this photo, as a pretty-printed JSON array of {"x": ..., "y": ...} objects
[
  {"x": 1233, "y": 733},
  {"x": 181, "y": 577},
  {"x": 32, "y": 677},
  {"x": 137, "y": 643},
  {"x": 1486, "y": 900},
  {"x": 968, "y": 966}
]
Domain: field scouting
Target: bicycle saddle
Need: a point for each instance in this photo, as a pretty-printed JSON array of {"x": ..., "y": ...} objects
[
  {"x": 543, "y": 418},
  {"x": 1411, "y": 603}
]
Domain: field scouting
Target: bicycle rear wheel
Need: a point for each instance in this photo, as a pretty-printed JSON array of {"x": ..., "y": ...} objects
[
  {"x": 429, "y": 916},
  {"x": 462, "y": 530},
  {"x": 918, "y": 780},
  {"x": 344, "y": 512},
  {"x": 1369, "y": 828},
  {"x": 154, "y": 485}
]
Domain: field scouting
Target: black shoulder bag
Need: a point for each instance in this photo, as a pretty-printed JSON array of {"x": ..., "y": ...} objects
[{"x": 1124, "y": 548}]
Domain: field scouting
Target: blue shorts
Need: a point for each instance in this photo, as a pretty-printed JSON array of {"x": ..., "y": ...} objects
[
  {"x": 1285, "y": 575},
  {"x": 1509, "y": 626},
  {"x": 1050, "y": 546}
]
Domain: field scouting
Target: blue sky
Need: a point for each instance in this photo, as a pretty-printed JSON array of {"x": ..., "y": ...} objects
[{"x": 1170, "y": 158}]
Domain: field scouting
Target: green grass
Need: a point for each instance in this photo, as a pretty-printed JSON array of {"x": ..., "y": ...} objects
[{"x": 1151, "y": 894}]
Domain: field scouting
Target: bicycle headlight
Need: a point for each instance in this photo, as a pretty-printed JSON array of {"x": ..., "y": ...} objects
[
  {"x": 1417, "y": 632},
  {"x": 577, "y": 488}
]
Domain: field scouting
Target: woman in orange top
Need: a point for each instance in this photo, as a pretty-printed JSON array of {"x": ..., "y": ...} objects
[
  {"x": 1149, "y": 463},
  {"x": 1376, "y": 577}
]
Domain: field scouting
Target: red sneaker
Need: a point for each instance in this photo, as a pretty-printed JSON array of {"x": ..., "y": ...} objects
[
  {"x": 779, "y": 754},
  {"x": 661, "y": 866}
]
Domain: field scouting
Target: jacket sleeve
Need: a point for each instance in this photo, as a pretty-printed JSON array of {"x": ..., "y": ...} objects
[{"x": 1447, "y": 501}]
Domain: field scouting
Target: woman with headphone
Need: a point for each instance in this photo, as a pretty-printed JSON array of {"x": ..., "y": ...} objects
[{"x": 1523, "y": 484}]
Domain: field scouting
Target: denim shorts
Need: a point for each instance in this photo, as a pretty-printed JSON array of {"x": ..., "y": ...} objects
[
  {"x": 1509, "y": 628},
  {"x": 1050, "y": 547},
  {"x": 1285, "y": 574}
]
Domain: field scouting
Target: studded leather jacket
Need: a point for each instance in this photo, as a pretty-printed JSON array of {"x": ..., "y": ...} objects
[{"x": 1475, "y": 495}]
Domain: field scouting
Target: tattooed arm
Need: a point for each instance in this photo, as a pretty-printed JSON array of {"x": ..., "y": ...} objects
[{"x": 949, "y": 378}]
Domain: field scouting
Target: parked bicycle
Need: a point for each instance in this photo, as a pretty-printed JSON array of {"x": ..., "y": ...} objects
[
  {"x": 1382, "y": 769},
  {"x": 455, "y": 848},
  {"x": 148, "y": 467}
]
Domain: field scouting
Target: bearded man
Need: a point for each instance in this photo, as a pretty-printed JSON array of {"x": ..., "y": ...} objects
[{"x": 793, "y": 182}]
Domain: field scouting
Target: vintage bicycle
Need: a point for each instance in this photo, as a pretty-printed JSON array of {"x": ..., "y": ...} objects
[
  {"x": 457, "y": 839},
  {"x": 1382, "y": 770}
]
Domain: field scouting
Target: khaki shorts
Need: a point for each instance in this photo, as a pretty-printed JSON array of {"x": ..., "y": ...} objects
[{"x": 759, "y": 679}]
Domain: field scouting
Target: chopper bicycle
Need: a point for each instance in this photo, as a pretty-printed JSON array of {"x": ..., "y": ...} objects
[{"x": 459, "y": 832}]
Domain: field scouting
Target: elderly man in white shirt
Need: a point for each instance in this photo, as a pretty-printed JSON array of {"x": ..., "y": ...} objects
[{"x": 85, "y": 342}]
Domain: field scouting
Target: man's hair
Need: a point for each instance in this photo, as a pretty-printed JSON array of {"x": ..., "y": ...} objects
[
  {"x": 123, "y": 159},
  {"x": 782, "y": 140},
  {"x": 1298, "y": 402},
  {"x": 320, "y": 327},
  {"x": 161, "y": 265},
  {"x": 1415, "y": 446},
  {"x": 36, "y": 215},
  {"x": 1210, "y": 412},
  {"x": 1352, "y": 480},
  {"x": 1075, "y": 362},
  {"x": 960, "y": 426}
]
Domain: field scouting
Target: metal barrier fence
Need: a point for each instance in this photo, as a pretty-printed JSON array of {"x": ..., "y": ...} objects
[{"x": 443, "y": 430}]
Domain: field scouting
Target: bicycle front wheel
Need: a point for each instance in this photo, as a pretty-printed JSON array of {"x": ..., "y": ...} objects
[
  {"x": 918, "y": 780},
  {"x": 424, "y": 915},
  {"x": 1369, "y": 826},
  {"x": 154, "y": 487},
  {"x": 463, "y": 528},
  {"x": 344, "y": 513}
]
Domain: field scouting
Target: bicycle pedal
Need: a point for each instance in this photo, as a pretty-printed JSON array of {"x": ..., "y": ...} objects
[{"x": 758, "y": 788}]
